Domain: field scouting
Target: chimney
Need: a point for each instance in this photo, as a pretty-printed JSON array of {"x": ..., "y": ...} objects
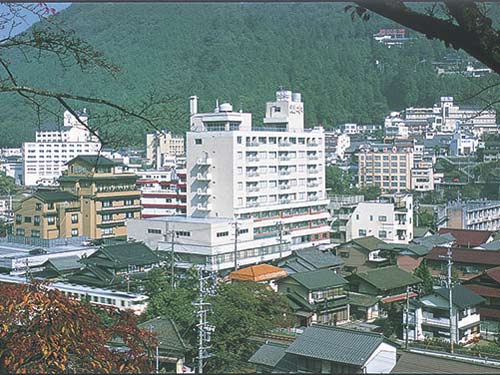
[{"x": 193, "y": 105}]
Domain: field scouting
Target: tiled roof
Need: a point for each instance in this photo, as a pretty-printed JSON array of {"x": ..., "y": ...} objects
[
  {"x": 50, "y": 196},
  {"x": 94, "y": 160},
  {"x": 386, "y": 278},
  {"x": 469, "y": 238},
  {"x": 472, "y": 256},
  {"x": 259, "y": 272},
  {"x": 493, "y": 245},
  {"x": 336, "y": 344},
  {"x": 484, "y": 291},
  {"x": 421, "y": 231},
  {"x": 310, "y": 259},
  {"x": 462, "y": 297},
  {"x": 369, "y": 243},
  {"x": 435, "y": 240},
  {"x": 269, "y": 354},
  {"x": 494, "y": 273},
  {"x": 123, "y": 255},
  {"x": 65, "y": 263},
  {"x": 169, "y": 337},
  {"x": 408, "y": 263},
  {"x": 318, "y": 279},
  {"x": 364, "y": 300}
]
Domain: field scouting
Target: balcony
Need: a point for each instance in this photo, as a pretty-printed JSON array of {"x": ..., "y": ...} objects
[
  {"x": 312, "y": 198},
  {"x": 284, "y": 187},
  {"x": 252, "y": 159},
  {"x": 253, "y": 174},
  {"x": 204, "y": 191},
  {"x": 253, "y": 144},
  {"x": 204, "y": 177},
  {"x": 313, "y": 144},
  {"x": 284, "y": 173},
  {"x": 284, "y": 201},
  {"x": 312, "y": 157},
  {"x": 313, "y": 171},
  {"x": 439, "y": 322},
  {"x": 252, "y": 189},
  {"x": 252, "y": 204},
  {"x": 284, "y": 143},
  {"x": 312, "y": 184},
  {"x": 204, "y": 207},
  {"x": 204, "y": 161},
  {"x": 284, "y": 157}
]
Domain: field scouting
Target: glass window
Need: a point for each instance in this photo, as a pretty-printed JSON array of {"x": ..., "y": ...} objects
[
  {"x": 362, "y": 232},
  {"x": 74, "y": 218},
  {"x": 74, "y": 232}
]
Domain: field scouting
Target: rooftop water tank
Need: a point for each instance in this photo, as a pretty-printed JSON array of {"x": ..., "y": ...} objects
[
  {"x": 296, "y": 97},
  {"x": 226, "y": 107}
]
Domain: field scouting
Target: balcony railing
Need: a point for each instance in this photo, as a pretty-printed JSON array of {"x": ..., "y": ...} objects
[
  {"x": 253, "y": 174},
  {"x": 252, "y": 204},
  {"x": 204, "y": 177},
  {"x": 284, "y": 158},
  {"x": 313, "y": 144},
  {"x": 312, "y": 157},
  {"x": 285, "y": 143},
  {"x": 313, "y": 171},
  {"x": 312, "y": 184},
  {"x": 204, "y": 191},
  {"x": 204, "y": 161},
  {"x": 204, "y": 207},
  {"x": 441, "y": 322},
  {"x": 284, "y": 173},
  {"x": 284, "y": 187},
  {"x": 251, "y": 159},
  {"x": 252, "y": 189},
  {"x": 253, "y": 144}
]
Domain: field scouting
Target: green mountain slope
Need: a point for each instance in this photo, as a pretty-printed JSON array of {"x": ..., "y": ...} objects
[{"x": 240, "y": 53}]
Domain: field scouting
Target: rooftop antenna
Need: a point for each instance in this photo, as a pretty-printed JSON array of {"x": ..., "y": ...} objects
[{"x": 217, "y": 105}]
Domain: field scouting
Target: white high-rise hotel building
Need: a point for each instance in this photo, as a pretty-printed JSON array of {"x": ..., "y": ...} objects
[
  {"x": 273, "y": 174},
  {"x": 54, "y": 145}
]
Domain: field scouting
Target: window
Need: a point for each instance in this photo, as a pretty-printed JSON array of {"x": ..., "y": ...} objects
[
  {"x": 243, "y": 231},
  {"x": 371, "y": 217},
  {"x": 239, "y": 140},
  {"x": 74, "y": 232},
  {"x": 74, "y": 218},
  {"x": 106, "y": 203},
  {"x": 36, "y": 220},
  {"x": 198, "y": 141},
  {"x": 50, "y": 206},
  {"x": 51, "y": 220},
  {"x": 106, "y": 231},
  {"x": 27, "y": 219},
  {"x": 128, "y": 202},
  {"x": 38, "y": 206},
  {"x": 19, "y": 219},
  {"x": 154, "y": 231},
  {"x": 382, "y": 218},
  {"x": 35, "y": 233},
  {"x": 129, "y": 215},
  {"x": 362, "y": 232},
  {"x": 344, "y": 254},
  {"x": 183, "y": 234},
  {"x": 107, "y": 217},
  {"x": 222, "y": 234},
  {"x": 19, "y": 232},
  {"x": 382, "y": 234}
]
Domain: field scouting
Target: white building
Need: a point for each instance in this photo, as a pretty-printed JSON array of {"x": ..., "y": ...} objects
[
  {"x": 162, "y": 146},
  {"x": 335, "y": 145},
  {"x": 54, "y": 145},
  {"x": 6, "y": 152},
  {"x": 390, "y": 218},
  {"x": 273, "y": 174},
  {"x": 163, "y": 192},
  {"x": 429, "y": 316},
  {"x": 208, "y": 241},
  {"x": 422, "y": 176},
  {"x": 473, "y": 215}
]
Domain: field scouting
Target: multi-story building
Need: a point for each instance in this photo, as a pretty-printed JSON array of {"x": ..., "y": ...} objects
[
  {"x": 12, "y": 166},
  {"x": 336, "y": 145},
  {"x": 162, "y": 146},
  {"x": 477, "y": 215},
  {"x": 389, "y": 218},
  {"x": 352, "y": 128},
  {"x": 273, "y": 174},
  {"x": 163, "y": 192},
  {"x": 422, "y": 176},
  {"x": 429, "y": 316},
  {"x": 95, "y": 199},
  {"x": 386, "y": 166},
  {"x": 210, "y": 242},
  {"x": 54, "y": 146}
]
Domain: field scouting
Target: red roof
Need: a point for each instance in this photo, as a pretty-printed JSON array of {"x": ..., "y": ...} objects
[
  {"x": 471, "y": 256},
  {"x": 489, "y": 312},
  {"x": 494, "y": 273},
  {"x": 466, "y": 237},
  {"x": 408, "y": 263},
  {"x": 485, "y": 291},
  {"x": 398, "y": 297},
  {"x": 259, "y": 272}
]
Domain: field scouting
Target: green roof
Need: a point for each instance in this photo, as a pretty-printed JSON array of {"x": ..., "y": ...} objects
[
  {"x": 369, "y": 243},
  {"x": 386, "y": 278},
  {"x": 310, "y": 259},
  {"x": 269, "y": 354},
  {"x": 123, "y": 255},
  {"x": 318, "y": 279},
  {"x": 363, "y": 300},
  {"x": 336, "y": 344},
  {"x": 421, "y": 231},
  {"x": 94, "y": 161},
  {"x": 70, "y": 262},
  {"x": 50, "y": 196},
  {"x": 462, "y": 297},
  {"x": 94, "y": 276},
  {"x": 167, "y": 333}
]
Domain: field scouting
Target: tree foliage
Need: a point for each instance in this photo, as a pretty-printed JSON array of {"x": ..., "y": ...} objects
[
  {"x": 423, "y": 272},
  {"x": 43, "y": 331}
]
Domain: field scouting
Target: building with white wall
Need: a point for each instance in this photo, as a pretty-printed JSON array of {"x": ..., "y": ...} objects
[
  {"x": 480, "y": 214},
  {"x": 162, "y": 147},
  {"x": 163, "y": 192},
  {"x": 46, "y": 158},
  {"x": 273, "y": 174},
  {"x": 390, "y": 218},
  {"x": 208, "y": 241},
  {"x": 335, "y": 146}
]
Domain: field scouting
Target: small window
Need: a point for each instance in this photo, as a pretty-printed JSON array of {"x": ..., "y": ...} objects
[
  {"x": 154, "y": 231},
  {"x": 382, "y": 218},
  {"x": 27, "y": 219},
  {"x": 38, "y": 206},
  {"x": 198, "y": 141},
  {"x": 183, "y": 234},
  {"x": 344, "y": 254},
  {"x": 36, "y": 220},
  {"x": 222, "y": 234},
  {"x": 382, "y": 234},
  {"x": 362, "y": 232},
  {"x": 74, "y": 218},
  {"x": 74, "y": 232}
]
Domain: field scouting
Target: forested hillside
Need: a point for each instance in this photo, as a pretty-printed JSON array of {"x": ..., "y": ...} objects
[{"x": 239, "y": 53}]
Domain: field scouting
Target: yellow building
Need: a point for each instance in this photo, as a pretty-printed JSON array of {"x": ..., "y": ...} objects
[{"x": 95, "y": 199}]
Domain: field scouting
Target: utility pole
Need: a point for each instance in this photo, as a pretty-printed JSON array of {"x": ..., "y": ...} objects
[
  {"x": 205, "y": 330},
  {"x": 236, "y": 230},
  {"x": 407, "y": 314},
  {"x": 172, "y": 260},
  {"x": 280, "y": 226},
  {"x": 449, "y": 283}
]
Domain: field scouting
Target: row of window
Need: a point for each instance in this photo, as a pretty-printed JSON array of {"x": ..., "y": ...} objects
[{"x": 109, "y": 203}]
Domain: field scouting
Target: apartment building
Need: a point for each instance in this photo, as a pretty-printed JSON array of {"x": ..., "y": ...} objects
[
  {"x": 163, "y": 192},
  {"x": 162, "y": 146},
  {"x": 480, "y": 214},
  {"x": 95, "y": 198},
  {"x": 429, "y": 316},
  {"x": 352, "y": 128},
  {"x": 389, "y": 218},
  {"x": 422, "y": 176},
  {"x": 273, "y": 174},
  {"x": 386, "y": 166},
  {"x": 54, "y": 146},
  {"x": 335, "y": 146},
  {"x": 210, "y": 242}
]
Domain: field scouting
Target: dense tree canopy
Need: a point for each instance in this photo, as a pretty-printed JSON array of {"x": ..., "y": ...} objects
[{"x": 43, "y": 331}]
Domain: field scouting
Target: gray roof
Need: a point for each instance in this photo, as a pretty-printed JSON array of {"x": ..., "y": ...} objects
[
  {"x": 462, "y": 297},
  {"x": 435, "y": 240},
  {"x": 494, "y": 245},
  {"x": 310, "y": 259},
  {"x": 336, "y": 344},
  {"x": 318, "y": 279},
  {"x": 167, "y": 333},
  {"x": 65, "y": 263},
  {"x": 269, "y": 354}
]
